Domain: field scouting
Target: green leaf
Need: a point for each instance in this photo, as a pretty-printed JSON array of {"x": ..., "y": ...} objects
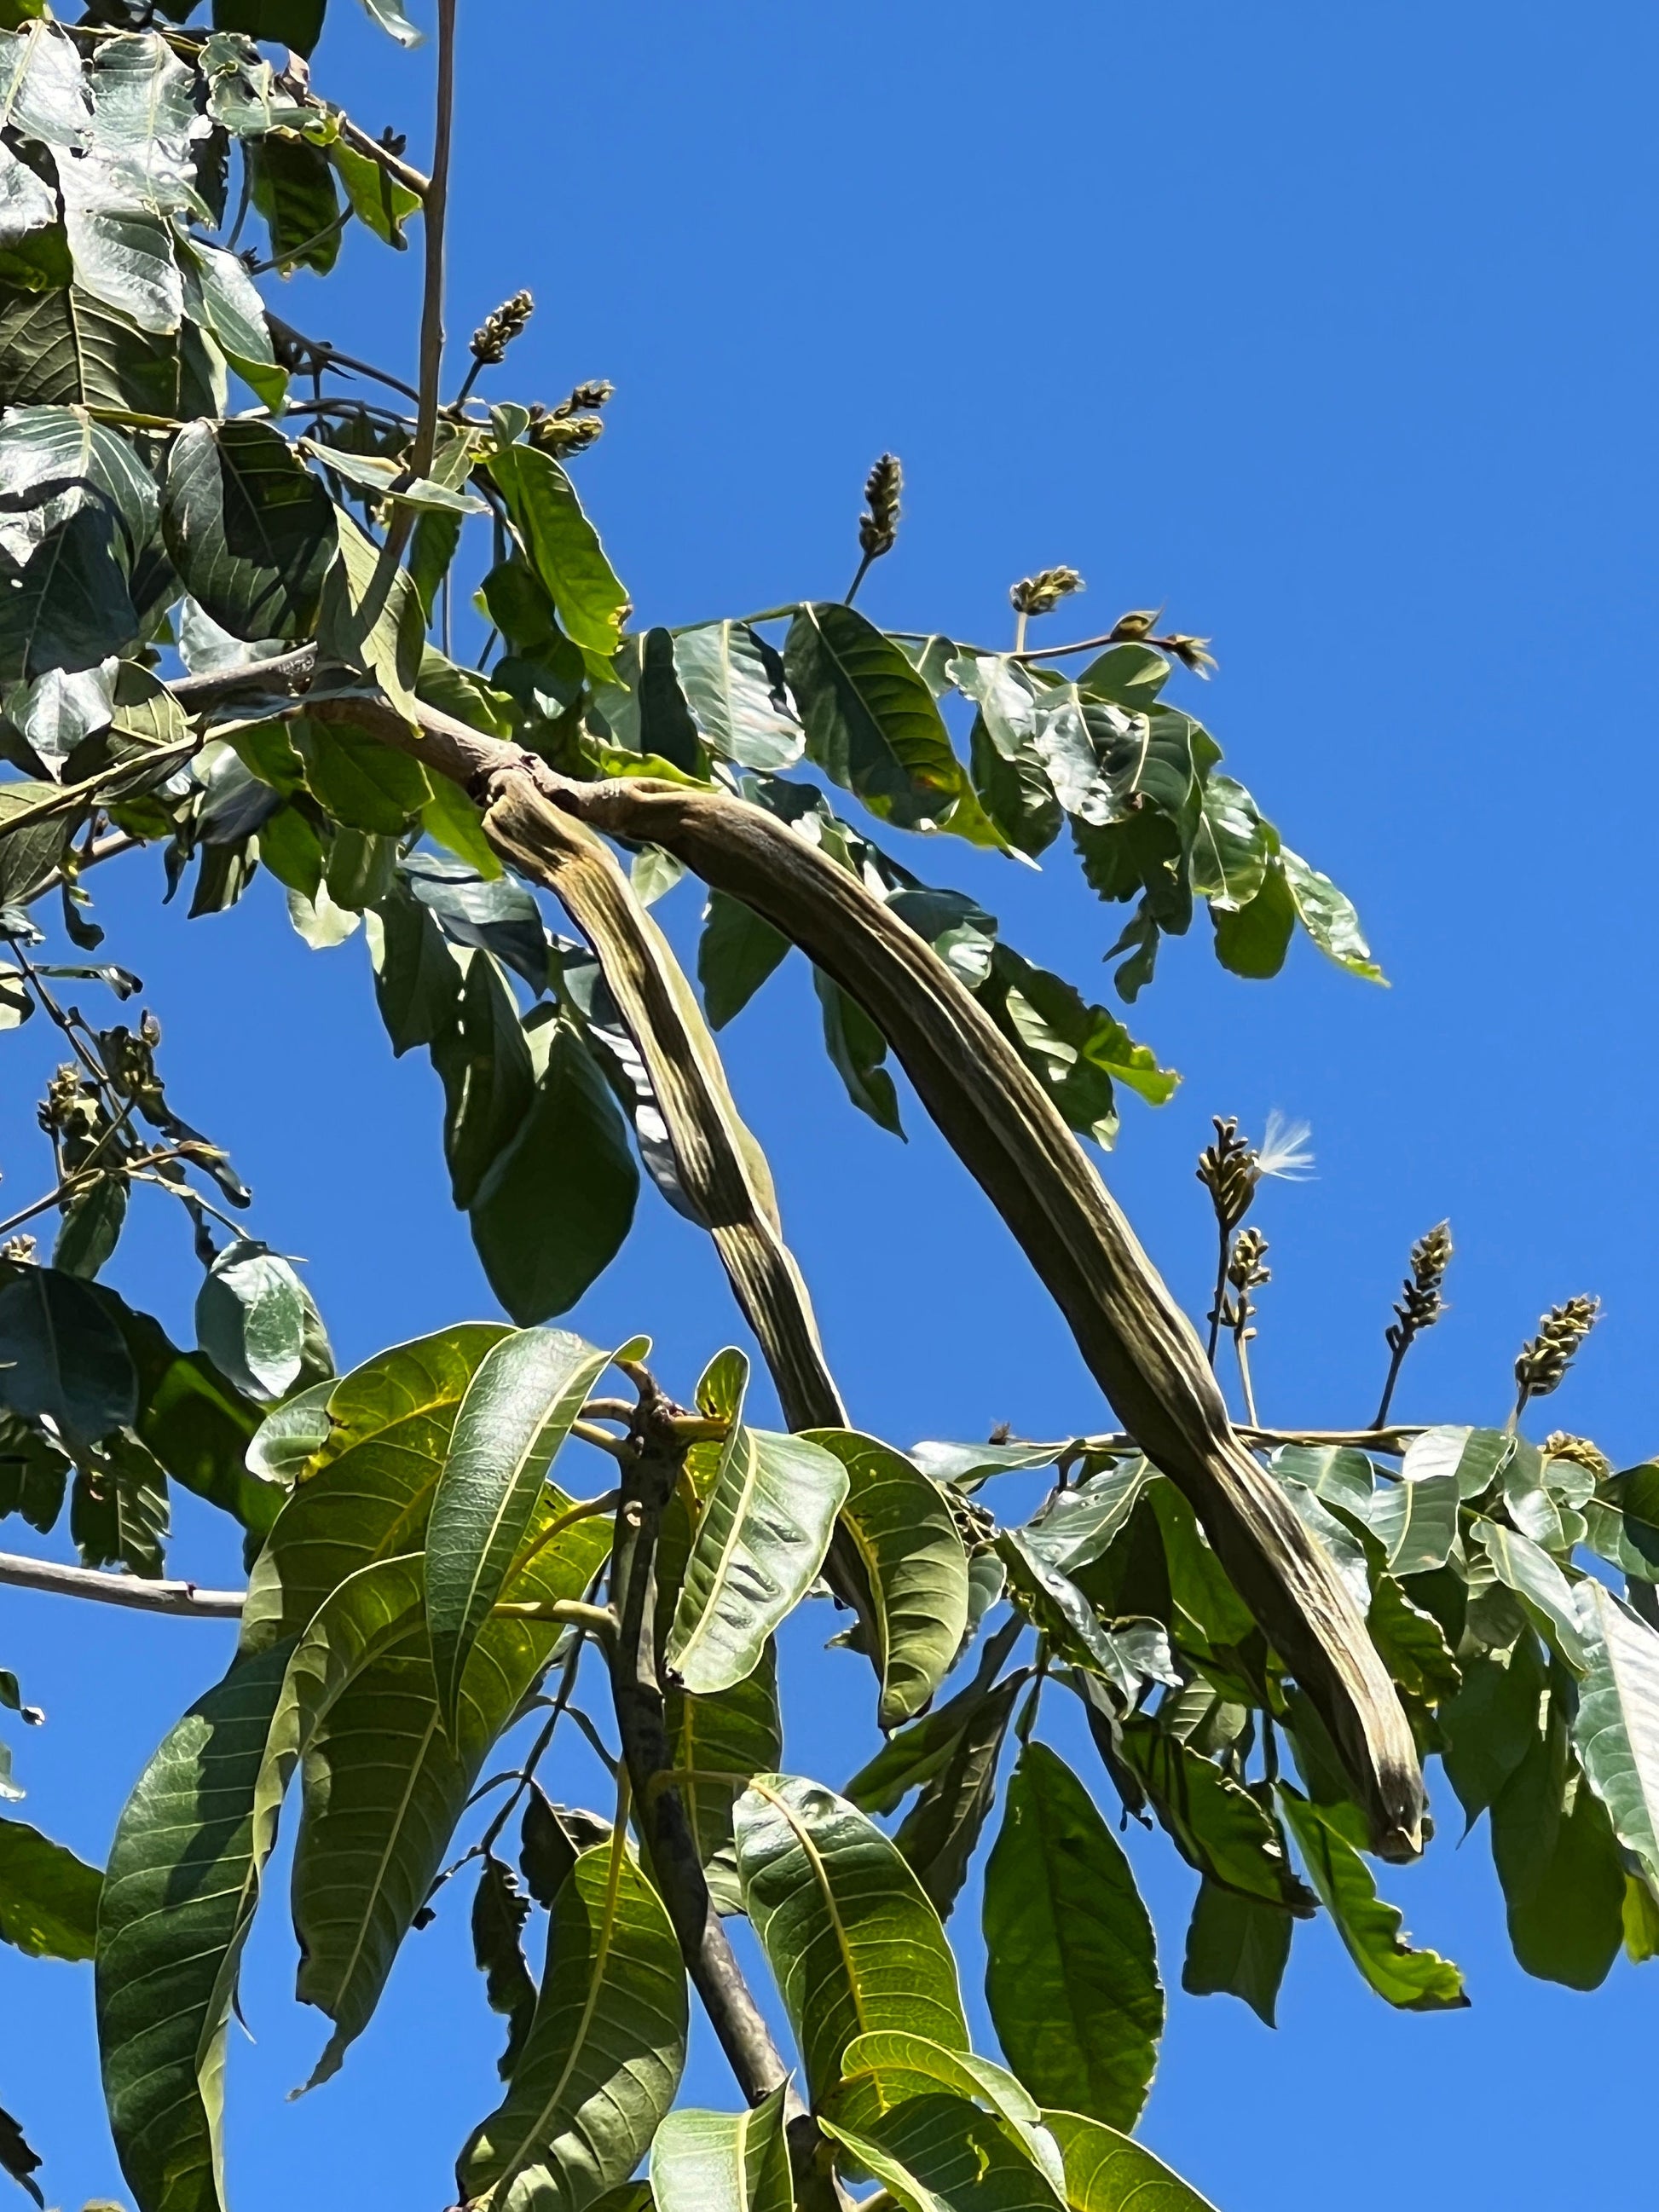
[
  {"x": 57, "y": 461},
  {"x": 196, "y": 1424},
  {"x": 1236, "y": 1946},
  {"x": 33, "y": 1473},
  {"x": 1475, "y": 1457},
  {"x": 91, "y": 1226},
  {"x": 1559, "y": 1863},
  {"x": 517, "y": 1413},
  {"x": 60, "y": 346},
  {"x": 29, "y": 856},
  {"x": 389, "y": 14},
  {"x": 1412, "y": 1644},
  {"x": 290, "y": 1436},
  {"x": 383, "y": 477},
  {"x": 378, "y": 200},
  {"x": 384, "y": 1786},
  {"x": 499, "y": 1913},
  {"x": 371, "y": 615},
  {"x": 48, "y": 1897},
  {"x": 294, "y": 190},
  {"x": 738, "y": 951},
  {"x": 887, "y": 2068},
  {"x": 1489, "y": 1727},
  {"x": 251, "y": 1319},
  {"x": 562, "y": 546},
  {"x": 602, "y": 2058},
  {"x": 555, "y": 1207},
  {"x": 418, "y": 979},
  {"x": 370, "y": 1489},
  {"x": 68, "y": 608},
  {"x": 1415, "y": 1519},
  {"x": 1107, "y": 2173},
  {"x": 43, "y": 89},
  {"x": 1078, "y": 1052},
  {"x": 915, "y": 1564},
  {"x": 871, "y": 724},
  {"x": 737, "y": 1731},
  {"x": 1076, "y": 1527},
  {"x": 857, "y": 1049},
  {"x": 724, "y": 2161},
  {"x": 488, "y": 1077},
  {"x": 939, "y": 2153},
  {"x": 248, "y": 528},
  {"x": 1231, "y": 847},
  {"x": 1616, "y": 1728},
  {"x": 940, "y": 1834},
  {"x": 62, "y": 1356},
  {"x": 760, "y": 1538},
  {"x": 177, "y": 1901},
  {"x": 846, "y": 1930},
  {"x": 118, "y": 1507},
  {"x": 1128, "y": 1655},
  {"x": 1218, "y": 1826},
  {"x": 1415, "y": 1981},
  {"x": 361, "y": 783},
  {"x": 1535, "y": 1578},
  {"x": 1071, "y": 1965},
  {"x": 734, "y": 684},
  {"x": 220, "y": 296},
  {"x": 1253, "y": 939},
  {"x": 1328, "y": 917}
]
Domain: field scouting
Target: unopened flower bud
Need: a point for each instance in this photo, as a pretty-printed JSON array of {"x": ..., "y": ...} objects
[
  {"x": 1545, "y": 1359},
  {"x": 1041, "y": 593},
  {"x": 878, "y": 528},
  {"x": 497, "y": 331}
]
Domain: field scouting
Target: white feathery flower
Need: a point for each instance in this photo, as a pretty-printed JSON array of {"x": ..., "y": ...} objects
[{"x": 1283, "y": 1151}]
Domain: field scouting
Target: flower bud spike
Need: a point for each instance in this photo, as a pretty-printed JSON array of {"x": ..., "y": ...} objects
[
  {"x": 1545, "y": 1357},
  {"x": 878, "y": 524},
  {"x": 497, "y": 331},
  {"x": 1418, "y": 1307},
  {"x": 1040, "y": 595}
]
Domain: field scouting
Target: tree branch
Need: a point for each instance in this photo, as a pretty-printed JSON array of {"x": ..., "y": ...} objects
[
  {"x": 647, "y": 1484},
  {"x": 183, "y": 1599},
  {"x": 436, "y": 218}
]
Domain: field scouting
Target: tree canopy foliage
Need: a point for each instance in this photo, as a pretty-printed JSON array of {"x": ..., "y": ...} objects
[{"x": 229, "y": 632}]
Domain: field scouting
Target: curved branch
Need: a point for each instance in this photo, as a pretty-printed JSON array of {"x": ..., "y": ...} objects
[{"x": 181, "y": 1599}]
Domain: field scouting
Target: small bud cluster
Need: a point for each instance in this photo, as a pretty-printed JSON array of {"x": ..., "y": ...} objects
[
  {"x": 1559, "y": 1444},
  {"x": 1227, "y": 1169},
  {"x": 878, "y": 528},
  {"x": 1420, "y": 1303},
  {"x": 1545, "y": 1358},
  {"x": 1041, "y": 593},
  {"x": 569, "y": 428},
  {"x": 497, "y": 331},
  {"x": 1245, "y": 1271}
]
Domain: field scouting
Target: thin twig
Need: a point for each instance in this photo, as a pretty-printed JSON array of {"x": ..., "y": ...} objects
[
  {"x": 436, "y": 212},
  {"x": 863, "y": 571},
  {"x": 183, "y": 1599}
]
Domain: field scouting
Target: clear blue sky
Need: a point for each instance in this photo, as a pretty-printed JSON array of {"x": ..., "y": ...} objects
[{"x": 1336, "y": 329}]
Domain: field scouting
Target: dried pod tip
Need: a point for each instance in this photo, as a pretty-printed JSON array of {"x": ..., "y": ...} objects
[
  {"x": 878, "y": 526},
  {"x": 1138, "y": 623},
  {"x": 1041, "y": 593},
  {"x": 497, "y": 331},
  {"x": 1545, "y": 1359},
  {"x": 1227, "y": 1168}
]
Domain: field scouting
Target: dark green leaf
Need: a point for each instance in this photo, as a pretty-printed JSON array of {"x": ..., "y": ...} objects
[
  {"x": 1076, "y": 1051},
  {"x": 940, "y": 1833},
  {"x": 857, "y": 1050},
  {"x": 249, "y": 529},
  {"x": 418, "y": 979},
  {"x": 294, "y": 190},
  {"x": 1558, "y": 1862},
  {"x": 1071, "y": 1971},
  {"x": 851, "y": 1938},
  {"x": 1236, "y": 1946},
  {"x": 1492, "y": 1723},
  {"x": 17, "y": 2159},
  {"x": 295, "y": 23},
  {"x": 60, "y": 346},
  {"x": 871, "y": 724},
  {"x": 499, "y": 916},
  {"x": 1416, "y": 1981},
  {"x": 499, "y": 1913},
  {"x": 939, "y": 2152},
  {"x": 1253, "y": 939},
  {"x": 197, "y": 1424},
  {"x": 119, "y": 1510},
  {"x": 1412, "y": 1644},
  {"x": 738, "y": 951},
  {"x": 518, "y": 1410},
  {"x": 553, "y": 1211},
  {"x": 361, "y": 783},
  {"x": 48, "y": 1897},
  {"x": 29, "y": 856},
  {"x": 371, "y": 615},
  {"x": 1218, "y": 1826},
  {"x": 68, "y": 608},
  {"x": 602, "y": 2062},
  {"x": 62, "y": 1356},
  {"x": 488, "y": 1077},
  {"x": 33, "y": 1473},
  {"x": 91, "y": 1226}
]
